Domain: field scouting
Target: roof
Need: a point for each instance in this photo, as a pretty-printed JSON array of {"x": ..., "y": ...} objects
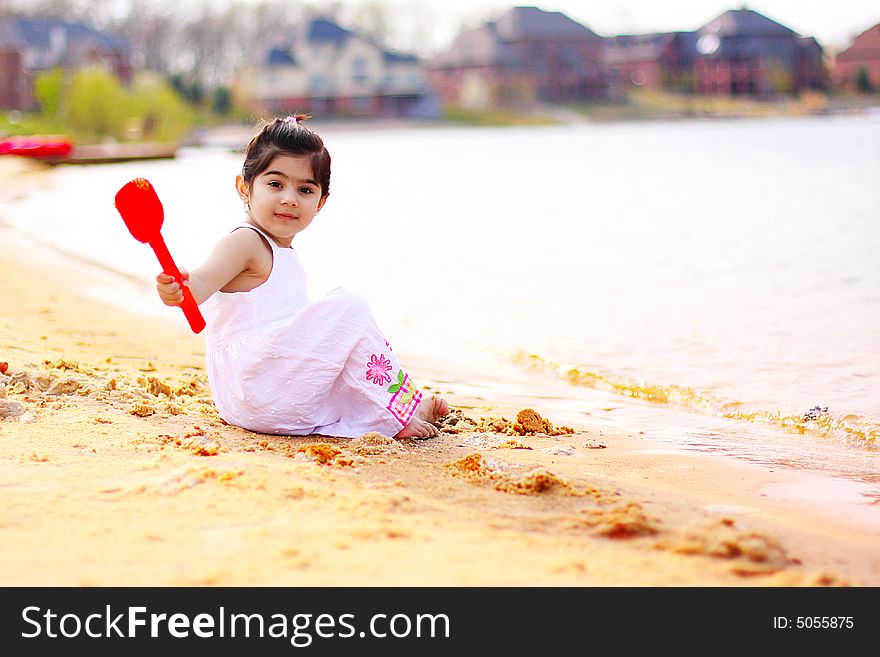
[
  {"x": 477, "y": 47},
  {"x": 323, "y": 31},
  {"x": 391, "y": 57},
  {"x": 489, "y": 44},
  {"x": 625, "y": 48},
  {"x": 280, "y": 57},
  {"x": 8, "y": 32},
  {"x": 746, "y": 34},
  {"x": 37, "y": 33},
  {"x": 637, "y": 47},
  {"x": 535, "y": 23},
  {"x": 865, "y": 46},
  {"x": 745, "y": 22}
]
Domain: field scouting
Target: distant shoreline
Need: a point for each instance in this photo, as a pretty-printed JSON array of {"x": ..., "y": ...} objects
[{"x": 647, "y": 106}]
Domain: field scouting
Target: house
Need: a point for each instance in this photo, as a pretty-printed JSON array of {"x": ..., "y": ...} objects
[
  {"x": 527, "y": 55},
  {"x": 29, "y": 46},
  {"x": 325, "y": 69},
  {"x": 662, "y": 61},
  {"x": 744, "y": 52},
  {"x": 864, "y": 53}
]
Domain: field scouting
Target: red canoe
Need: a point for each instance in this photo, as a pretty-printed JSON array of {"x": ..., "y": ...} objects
[{"x": 42, "y": 148}]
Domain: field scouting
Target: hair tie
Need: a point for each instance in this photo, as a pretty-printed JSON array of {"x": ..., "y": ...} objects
[{"x": 290, "y": 119}]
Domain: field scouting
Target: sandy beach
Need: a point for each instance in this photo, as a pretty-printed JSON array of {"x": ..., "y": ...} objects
[{"x": 115, "y": 469}]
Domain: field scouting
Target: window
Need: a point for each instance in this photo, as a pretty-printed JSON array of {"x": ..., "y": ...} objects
[
  {"x": 317, "y": 84},
  {"x": 359, "y": 70}
]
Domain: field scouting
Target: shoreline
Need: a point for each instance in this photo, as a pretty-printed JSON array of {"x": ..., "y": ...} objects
[
  {"x": 117, "y": 471},
  {"x": 646, "y": 107}
]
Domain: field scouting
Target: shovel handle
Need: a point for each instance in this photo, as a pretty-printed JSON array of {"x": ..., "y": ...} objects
[{"x": 189, "y": 306}]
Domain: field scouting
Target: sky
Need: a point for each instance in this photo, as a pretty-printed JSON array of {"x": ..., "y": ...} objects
[{"x": 832, "y": 22}]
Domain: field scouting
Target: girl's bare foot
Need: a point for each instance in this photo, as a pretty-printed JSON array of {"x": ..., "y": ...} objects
[
  {"x": 432, "y": 409},
  {"x": 420, "y": 426}
]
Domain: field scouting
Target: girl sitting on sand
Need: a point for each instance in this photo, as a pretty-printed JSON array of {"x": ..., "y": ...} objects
[{"x": 276, "y": 362}]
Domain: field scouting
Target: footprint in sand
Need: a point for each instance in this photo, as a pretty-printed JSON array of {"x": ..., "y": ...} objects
[
  {"x": 11, "y": 410},
  {"x": 753, "y": 553},
  {"x": 506, "y": 478},
  {"x": 562, "y": 450}
]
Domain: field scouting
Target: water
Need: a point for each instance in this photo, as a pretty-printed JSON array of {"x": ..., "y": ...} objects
[{"x": 723, "y": 271}]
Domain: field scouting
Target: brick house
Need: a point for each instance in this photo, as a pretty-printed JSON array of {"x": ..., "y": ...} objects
[
  {"x": 864, "y": 53},
  {"x": 744, "y": 52},
  {"x": 327, "y": 70},
  {"x": 29, "y": 46},
  {"x": 526, "y": 55},
  {"x": 652, "y": 61}
]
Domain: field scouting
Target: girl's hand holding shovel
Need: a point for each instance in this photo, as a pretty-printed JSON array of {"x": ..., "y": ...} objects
[{"x": 169, "y": 289}]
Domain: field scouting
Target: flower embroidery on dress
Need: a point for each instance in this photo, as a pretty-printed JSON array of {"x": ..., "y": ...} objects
[
  {"x": 377, "y": 370},
  {"x": 405, "y": 399}
]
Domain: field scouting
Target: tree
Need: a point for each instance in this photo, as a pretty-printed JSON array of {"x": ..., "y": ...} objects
[
  {"x": 863, "y": 81},
  {"x": 49, "y": 92},
  {"x": 157, "y": 109},
  {"x": 92, "y": 104},
  {"x": 196, "y": 93},
  {"x": 371, "y": 20},
  {"x": 96, "y": 104},
  {"x": 779, "y": 80},
  {"x": 221, "y": 103},
  {"x": 203, "y": 40}
]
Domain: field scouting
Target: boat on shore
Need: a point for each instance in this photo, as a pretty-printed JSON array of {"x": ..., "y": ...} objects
[
  {"x": 110, "y": 153},
  {"x": 40, "y": 148},
  {"x": 60, "y": 150}
]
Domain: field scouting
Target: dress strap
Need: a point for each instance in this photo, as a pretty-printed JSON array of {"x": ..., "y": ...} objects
[{"x": 271, "y": 242}]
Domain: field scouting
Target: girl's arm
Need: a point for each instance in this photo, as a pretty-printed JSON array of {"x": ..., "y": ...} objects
[{"x": 241, "y": 256}]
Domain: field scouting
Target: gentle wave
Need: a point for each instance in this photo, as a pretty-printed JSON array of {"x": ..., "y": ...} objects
[{"x": 849, "y": 429}]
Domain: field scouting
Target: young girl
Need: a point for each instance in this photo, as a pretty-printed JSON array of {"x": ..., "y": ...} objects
[{"x": 276, "y": 362}]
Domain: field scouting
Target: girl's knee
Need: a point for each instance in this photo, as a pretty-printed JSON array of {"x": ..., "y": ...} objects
[{"x": 352, "y": 301}]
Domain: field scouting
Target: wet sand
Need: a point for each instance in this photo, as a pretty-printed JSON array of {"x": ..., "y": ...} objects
[{"x": 115, "y": 469}]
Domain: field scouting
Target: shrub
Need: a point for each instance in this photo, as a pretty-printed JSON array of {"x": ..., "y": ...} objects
[
  {"x": 92, "y": 104},
  {"x": 863, "y": 81},
  {"x": 95, "y": 104},
  {"x": 49, "y": 92},
  {"x": 221, "y": 103}
]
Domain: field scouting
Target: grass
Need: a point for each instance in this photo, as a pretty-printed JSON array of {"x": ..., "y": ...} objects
[
  {"x": 15, "y": 123},
  {"x": 495, "y": 117},
  {"x": 650, "y": 104},
  {"x": 644, "y": 104}
]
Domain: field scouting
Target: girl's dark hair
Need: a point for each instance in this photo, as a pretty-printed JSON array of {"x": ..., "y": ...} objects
[{"x": 287, "y": 137}]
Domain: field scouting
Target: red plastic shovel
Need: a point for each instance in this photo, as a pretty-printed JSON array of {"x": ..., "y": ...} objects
[{"x": 142, "y": 213}]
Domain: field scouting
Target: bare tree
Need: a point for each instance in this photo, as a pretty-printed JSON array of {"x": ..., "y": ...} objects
[
  {"x": 217, "y": 42},
  {"x": 370, "y": 19},
  {"x": 206, "y": 42},
  {"x": 151, "y": 29},
  {"x": 412, "y": 27}
]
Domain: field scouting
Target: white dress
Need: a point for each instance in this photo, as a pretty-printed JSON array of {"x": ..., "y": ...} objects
[{"x": 278, "y": 364}]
